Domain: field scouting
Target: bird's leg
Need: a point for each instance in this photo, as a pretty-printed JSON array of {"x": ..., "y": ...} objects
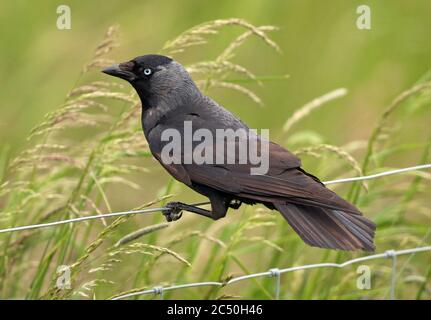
[
  {"x": 218, "y": 209},
  {"x": 235, "y": 204},
  {"x": 176, "y": 207}
]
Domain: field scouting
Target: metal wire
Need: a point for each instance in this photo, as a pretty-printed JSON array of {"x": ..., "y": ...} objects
[
  {"x": 99, "y": 216},
  {"x": 275, "y": 272},
  {"x": 150, "y": 210},
  {"x": 381, "y": 174}
]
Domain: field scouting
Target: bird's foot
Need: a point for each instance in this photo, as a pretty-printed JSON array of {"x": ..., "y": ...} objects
[
  {"x": 174, "y": 212},
  {"x": 235, "y": 204}
]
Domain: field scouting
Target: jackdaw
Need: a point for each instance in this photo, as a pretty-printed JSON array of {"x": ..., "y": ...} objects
[{"x": 170, "y": 98}]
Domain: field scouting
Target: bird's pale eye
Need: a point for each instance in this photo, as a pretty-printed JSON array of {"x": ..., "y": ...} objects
[{"x": 147, "y": 71}]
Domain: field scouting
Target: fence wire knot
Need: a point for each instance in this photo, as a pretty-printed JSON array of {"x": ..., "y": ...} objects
[
  {"x": 274, "y": 272},
  {"x": 158, "y": 290},
  {"x": 390, "y": 254}
]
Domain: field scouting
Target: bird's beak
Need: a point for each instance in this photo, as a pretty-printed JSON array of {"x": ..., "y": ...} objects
[{"x": 118, "y": 71}]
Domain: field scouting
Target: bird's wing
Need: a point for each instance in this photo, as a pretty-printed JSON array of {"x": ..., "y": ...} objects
[
  {"x": 285, "y": 180},
  {"x": 319, "y": 216},
  {"x": 176, "y": 170}
]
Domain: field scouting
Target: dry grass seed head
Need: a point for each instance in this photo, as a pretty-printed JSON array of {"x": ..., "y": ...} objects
[
  {"x": 311, "y": 106},
  {"x": 339, "y": 152},
  {"x": 139, "y": 233},
  {"x": 143, "y": 247},
  {"x": 228, "y": 53},
  {"x": 223, "y": 68},
  {"x": 107, "y": 45},
  {"x": 196, "y": 35},
  {"x": 234, "y": 86}
]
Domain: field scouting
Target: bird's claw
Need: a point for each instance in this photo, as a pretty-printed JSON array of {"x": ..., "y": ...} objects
[
  {"x": 174, "y": 212},
  {"x": 235, "y": 204}
]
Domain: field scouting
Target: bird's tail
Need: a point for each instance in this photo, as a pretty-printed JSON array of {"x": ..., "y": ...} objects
[{"x": 329, "y": 228}]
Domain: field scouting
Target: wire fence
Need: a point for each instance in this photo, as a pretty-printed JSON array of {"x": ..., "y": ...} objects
[
  {"x": 161, "y": 209},
  {"x": 274, "y": 272}
]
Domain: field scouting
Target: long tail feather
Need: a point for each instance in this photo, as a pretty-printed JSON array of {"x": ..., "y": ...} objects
[{"x": 328, "y": 228}]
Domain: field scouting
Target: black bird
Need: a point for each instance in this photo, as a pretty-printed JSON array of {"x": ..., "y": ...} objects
[{"x": 170, "y": 97}]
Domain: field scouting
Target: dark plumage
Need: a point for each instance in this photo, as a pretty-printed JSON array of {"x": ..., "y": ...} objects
[{"x": 170, "y": 97}]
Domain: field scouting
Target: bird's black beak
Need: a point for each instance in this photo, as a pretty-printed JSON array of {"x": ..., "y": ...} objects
[{"x": 120, "y": 71}]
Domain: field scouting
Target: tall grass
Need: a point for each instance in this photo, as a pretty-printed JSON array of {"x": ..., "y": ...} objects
[{"x": 92, "y": 144}]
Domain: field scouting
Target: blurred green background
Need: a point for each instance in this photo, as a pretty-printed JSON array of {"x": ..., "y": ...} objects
[{"x": 322, "y": 50}]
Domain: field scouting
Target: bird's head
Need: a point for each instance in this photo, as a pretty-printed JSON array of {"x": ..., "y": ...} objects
[{"x": 154, "y": 77}]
